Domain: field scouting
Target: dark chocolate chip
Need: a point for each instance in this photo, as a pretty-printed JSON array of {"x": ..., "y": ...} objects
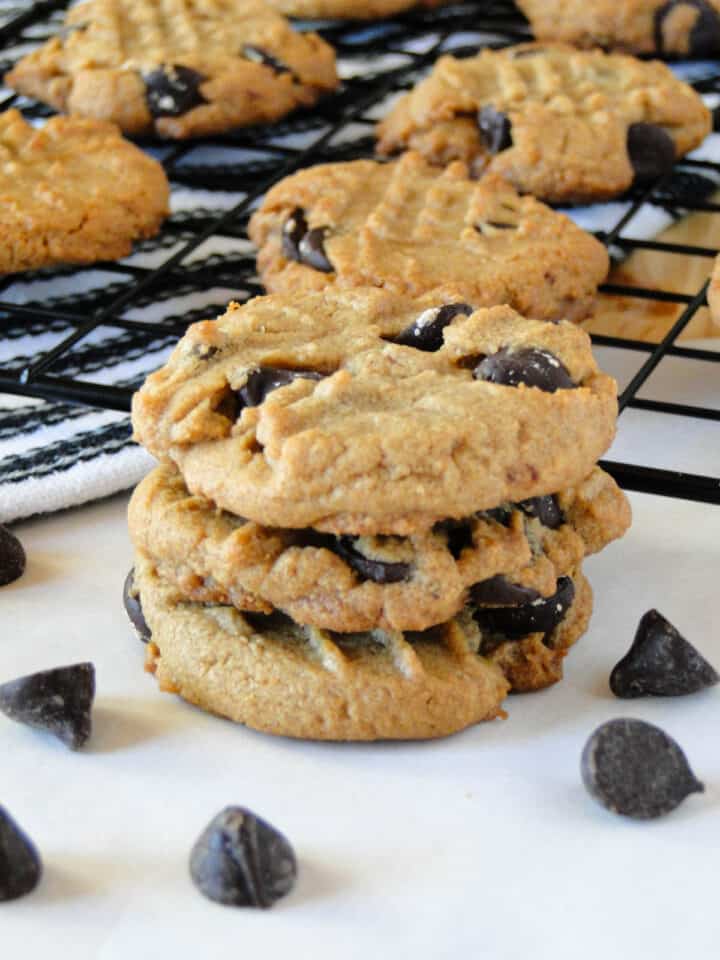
[
  {"x": 546, "y": 509},
  {"x": 502, "y": 515},
  {"x": 499, "y": 591},
  {"x": 636, "y": 769},
  {"x": 660, "y": 663},
  {"x": 495, "y": 129},
  {"x": 20, "y": 865},
  {"x": 651, "y": 150},
  {"x": 173, "y": 90},
  {"x": 57, "y": 701},
  {"x": 535, "y": 368},
  {"x": 12, "y": 557},
  {"x": 242, "y": 861},
  {"x": 426, "y": 333},
  {"x": 257, "y": 55},
  {"x": 459, "y": 535},
  {"x": 540, "y": 615},
  {"x": 376, "y": 570},
  {"x": 303, "y": 245},
  {"x": 264, "y": 380},
  {"x": 704, "y": 39},
  {"x": 134, "y": 609}
]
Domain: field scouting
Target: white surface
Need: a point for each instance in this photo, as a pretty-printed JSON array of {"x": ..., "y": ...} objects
[{"x": 481, "y": 845}]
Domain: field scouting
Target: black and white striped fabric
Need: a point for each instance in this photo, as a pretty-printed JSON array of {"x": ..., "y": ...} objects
[{"x": 54, "y": 455}]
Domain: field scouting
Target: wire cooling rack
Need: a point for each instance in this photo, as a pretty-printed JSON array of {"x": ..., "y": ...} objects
[{"x": 86, "y": 318}]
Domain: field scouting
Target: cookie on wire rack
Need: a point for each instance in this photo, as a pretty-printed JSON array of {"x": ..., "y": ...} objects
[
  {"x": 562, "y": 124},
  {"x": 177, "y": 69}
]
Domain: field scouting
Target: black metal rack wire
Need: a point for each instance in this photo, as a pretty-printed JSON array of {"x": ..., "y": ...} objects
[{"x": 376, "y": 61}]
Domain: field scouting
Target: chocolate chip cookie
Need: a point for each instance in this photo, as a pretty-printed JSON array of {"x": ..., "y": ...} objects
[
  {"x": 349, "y": 9},
  {"x": 177, "y": 69},
  {"x": 362, "y": 412},
  {"x": 348, "y": 583},
  {"x": 411, "y": 228},
  {"x": 74, "y": 192},
  {"x": 562, "y": 124},
  {"x": 667, "y": 28}
]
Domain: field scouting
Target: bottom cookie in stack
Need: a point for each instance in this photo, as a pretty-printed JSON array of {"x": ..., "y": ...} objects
[{"x": 308, "y": 634}]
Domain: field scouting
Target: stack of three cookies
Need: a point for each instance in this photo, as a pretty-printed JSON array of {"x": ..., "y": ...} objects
[{"x": 371, "y": 512}]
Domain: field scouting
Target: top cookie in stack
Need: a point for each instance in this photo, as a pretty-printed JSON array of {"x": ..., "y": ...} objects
[{"x": 372, "y": 511}]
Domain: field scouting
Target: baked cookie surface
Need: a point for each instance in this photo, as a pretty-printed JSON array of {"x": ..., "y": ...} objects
[
  {"x": 667, "y": 28},
  {"x": 411, "y": 228},
  {"x": 562, "y": 124},
  {"x": 358, "y": 411},
  {"x": 74, "y": 191},
  {"x": 350, "y": 584},
  {"x": 177, "y": 68}
]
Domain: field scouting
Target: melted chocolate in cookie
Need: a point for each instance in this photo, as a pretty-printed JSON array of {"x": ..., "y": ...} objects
[
  {"x": 546, "y": 509},
  {"x": 499, "y": 591},
  {"x": 173, "y": 90},
  {"x": 704, "y": 39},
  {"x": 376, "y": 570},
  {"x": 539, "y": 615},
  {"x": 535, "y": 368},
  {"x": 426, "y": 333},
  {"x": 264, "y": 380},
  {"x": 303, "y": 245},
  {"x": 651, "y": 150},
  {"x": 257, "y": 55},
  {"x": 495, "y": 129}
]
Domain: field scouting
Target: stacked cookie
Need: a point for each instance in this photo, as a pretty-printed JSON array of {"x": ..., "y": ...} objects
[{"x": 371, "y": 512}]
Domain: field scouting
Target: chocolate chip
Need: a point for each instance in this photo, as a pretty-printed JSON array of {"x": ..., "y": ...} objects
[
  {"x": 303, "y": 245},
  {"x": 540, "y": 615},
  {"x": 704, "y": 39},
  {"x": 535, "y": 368},
  {"x": 651, "y": 150},
  {"x": 172, "y": 90},
  {"x": 426, "y": 333},
  {"x": 499, "y": 591},
  {"x": 636, "y": 769},
  {"x": 133, "y": 608},
  {"x": 20, "y": 865},
  {"x": 264, "y": 380},
  {"x": 58, "y": 701},
  {"x": 459, "y": 535},
  {"x": 12, "y": 557},
  {"x": 242, "y": 861},
  {"x": 502, "y": 515},
  {"x": 546, "y": 509},
  {"x": 376, "y": 570},
  {"x": 660, "y": 663},
  {"x": 495, "y": 129},
  {"x": 257, "y": 55}
]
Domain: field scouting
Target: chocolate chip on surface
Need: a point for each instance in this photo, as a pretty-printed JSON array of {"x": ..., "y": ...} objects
[
  {"x": 533, "y": 367},
  {"x": 173, "y": 90},
  {"x": 58, "y": 701},
  {"x": 20, "y": 864},
  {"x": 495, "y": 129},
  {"x": 636, "y": 769},
  {"x": 651, "y": 150},
  {"x": 242, "y": 861},
  {"x": 499, "y": 591},
  {"x": 426, "y": 333},
  {"x": 12, "y": 557},
  {"x": 264, "y": 380},
  {"x": 660, "y": 663},
  {"x": 257, "y": 55},
  {"x": 546, "y": 509},
  {"x": 133, "y": 608},
  {"x": 293, "y": 230},
  {"x": 304, "y": 245},
  {"x": 376, "y": 570},
  {"x": 536, "y": 615},
  {"x": 704, "y": 39}
]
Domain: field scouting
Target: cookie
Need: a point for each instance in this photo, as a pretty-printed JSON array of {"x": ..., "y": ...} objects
[
  {"x": 348, "y": 584},
  {"x": 361, "y": 412},
  {"x": 667, "y": 28},
  {"x": 276, "y": 676},
  {"x": 177, "y": 69},
  {"x": 349, "y": 9},
  {"x": 562, "y": 124},
  {"x": 411, "y": 228},
  {"x": 74, "y": 192}
]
